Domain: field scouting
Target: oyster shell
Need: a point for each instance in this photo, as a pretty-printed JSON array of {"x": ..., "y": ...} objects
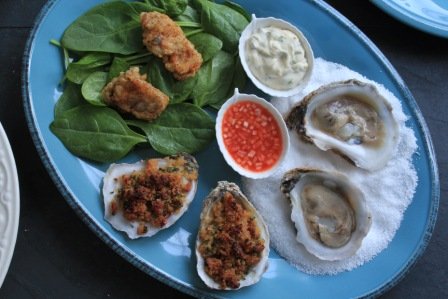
[
  {"x": 350, "y": 118},
  {"x": 329, "y": 213},
  {"x": 232, "y": 246},
  {"x": 148, "y": 196}
]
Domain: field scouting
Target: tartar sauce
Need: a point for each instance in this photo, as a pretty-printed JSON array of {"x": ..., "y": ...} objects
[{"x": 276, "y": 57}]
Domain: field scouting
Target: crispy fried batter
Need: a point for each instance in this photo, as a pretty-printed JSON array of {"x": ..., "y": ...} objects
[
  {"x": 165, "y": 39},
  {"x": 131, "y": 93}
]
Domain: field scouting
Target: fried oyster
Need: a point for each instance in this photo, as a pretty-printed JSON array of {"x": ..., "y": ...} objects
[
  {"x": 131, "y": 93},
  {"x": 166, "y": 40}
]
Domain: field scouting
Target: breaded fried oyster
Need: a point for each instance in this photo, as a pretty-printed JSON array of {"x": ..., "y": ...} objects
[
  {"x": 131, "y": 93},
  {"x": 166, "y": 40}
]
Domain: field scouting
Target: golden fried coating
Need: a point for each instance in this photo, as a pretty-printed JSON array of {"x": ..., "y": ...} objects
[
  {"x": 131, "y": 93},
  {"x": 165, "y": 39}
]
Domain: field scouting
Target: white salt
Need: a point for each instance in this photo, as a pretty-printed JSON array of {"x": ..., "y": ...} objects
[{"x": 388, "y": 191}]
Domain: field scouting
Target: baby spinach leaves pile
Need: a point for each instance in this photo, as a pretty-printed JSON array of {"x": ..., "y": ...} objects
[{"x": 107, "y": 40}]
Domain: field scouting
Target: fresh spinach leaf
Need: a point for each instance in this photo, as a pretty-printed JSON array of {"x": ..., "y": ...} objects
[
  {"x": 79, "y": 74},
  {"x": 238, "y": 8},
  {"x": 189, "y": 15},
  {"x": 118, "y": 65},
  {"x": 112, "y": 27},
  {"x": 140, "y": 7},
  {"x": 214, "y": 79},
  {"x": 239, "y": 75},
  {"x": 173, "y": 8},
  {"x": 223, "y": 22},
  {"x": 180, "y": 128},
  {"x": 95, "y": 133},
  {"x": 93, "y": 59},
  {"x": 71, "y": 98},
  {"x": 93, "y": 86},
  {"x": 206, "y": 44},
  {"x": 78, "y": 71},
  {"x": 239, "y": 81},
  {"x": 177, "y": 91}
]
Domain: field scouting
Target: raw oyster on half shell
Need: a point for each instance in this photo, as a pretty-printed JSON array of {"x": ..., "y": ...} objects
[
  {"x": 329, "y": 213},
  {"x": 350, "y": 118},
  {"x": 148, "y": 196},
  {"x": 232, "y": 246}
]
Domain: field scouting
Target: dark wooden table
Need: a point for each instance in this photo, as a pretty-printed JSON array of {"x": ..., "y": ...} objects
[{"x": 57, "y": 256}]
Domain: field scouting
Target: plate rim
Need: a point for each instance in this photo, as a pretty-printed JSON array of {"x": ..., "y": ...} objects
[
  {"x": 11, "y": 203},
  {"x": 410, "y": 18},
  {"x": 173, "y": 282}
]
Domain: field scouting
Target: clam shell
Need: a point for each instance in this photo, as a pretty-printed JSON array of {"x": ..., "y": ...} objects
[
  {"x": 293, "y": 183},
  {"x": 366, "y": 157},
  {"x": 112, "y": 185},
  {"x": 255, "y": 273},
  {"x": 257, "y": 23}
]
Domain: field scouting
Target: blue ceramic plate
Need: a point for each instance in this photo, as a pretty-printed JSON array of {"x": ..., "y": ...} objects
[
  {"x": 427, "y": 15},
  {"x": 169, "y": 256}
]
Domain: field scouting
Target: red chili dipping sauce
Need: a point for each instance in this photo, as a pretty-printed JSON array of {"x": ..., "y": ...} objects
[{"x": 252, "y": 136}]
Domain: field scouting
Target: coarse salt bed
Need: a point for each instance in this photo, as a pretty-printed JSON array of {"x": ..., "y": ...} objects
[{"x": 388, "y": 191}]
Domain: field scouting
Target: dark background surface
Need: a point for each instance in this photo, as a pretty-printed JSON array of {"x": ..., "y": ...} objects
[{"x": 57, "y": 256}]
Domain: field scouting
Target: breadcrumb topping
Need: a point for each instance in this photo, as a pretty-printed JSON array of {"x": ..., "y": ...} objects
[
  {"x": 152, "y": 195},
  {"x": 230, "y": 242}
]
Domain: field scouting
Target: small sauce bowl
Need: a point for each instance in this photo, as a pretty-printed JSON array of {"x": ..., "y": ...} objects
[
  {"x": 252, "y": 28},
  {"x": 251, "y": 135}
]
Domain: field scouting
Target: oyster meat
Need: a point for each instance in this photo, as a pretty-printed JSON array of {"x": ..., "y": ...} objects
[
  {"x": 148, "y": 196},
  {"x": 329, "y": 213},
  {"x": 232, "y": 246},
  {"x": 350, "y": 118}
]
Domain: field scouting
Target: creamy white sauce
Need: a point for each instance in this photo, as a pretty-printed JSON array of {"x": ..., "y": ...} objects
[{"x": 276, "y": 57}]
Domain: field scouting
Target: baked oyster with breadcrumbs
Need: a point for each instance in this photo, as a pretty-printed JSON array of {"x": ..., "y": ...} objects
[
  {"x": 232, "y": 246},
  {"x": 143, "y": 198}
]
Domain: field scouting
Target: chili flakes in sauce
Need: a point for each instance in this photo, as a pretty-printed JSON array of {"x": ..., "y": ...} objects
[{"x": 252, "y": 136}]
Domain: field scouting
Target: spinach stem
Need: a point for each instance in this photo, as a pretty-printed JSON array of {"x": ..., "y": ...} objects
[
  {"x": 193, "y": 32},
  {"x": 66, "y": 58},
  {"x": 136, "y": 56},
  {"x": 64, "y": 52},
  {"x": 55, "y": 43},
  {"x": 140, "y": 61},
  {"x": 188, "y": 24}
]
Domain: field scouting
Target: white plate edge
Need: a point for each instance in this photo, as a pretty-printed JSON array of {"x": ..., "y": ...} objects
[{"x": 9, "y": 204}]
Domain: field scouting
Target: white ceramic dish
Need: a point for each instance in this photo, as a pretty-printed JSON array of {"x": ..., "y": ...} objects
[
  {"x": 9, "y": 204},
  {"x": 238, "y": 97},
  {"x": 253, "y": 26}
]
